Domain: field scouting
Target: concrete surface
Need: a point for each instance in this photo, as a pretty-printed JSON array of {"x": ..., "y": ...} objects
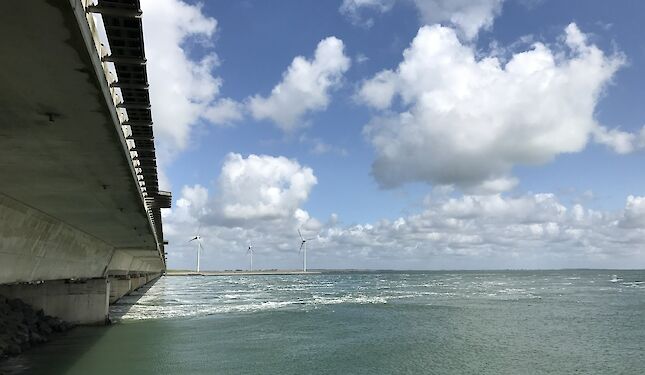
[
  {"x": 77, "y": 302},
  {"x": 70, "y": 205},
  {"x": 119, "y": 287}
]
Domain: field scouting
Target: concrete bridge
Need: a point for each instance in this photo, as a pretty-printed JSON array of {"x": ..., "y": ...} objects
[{"x": 80, "y": 221}]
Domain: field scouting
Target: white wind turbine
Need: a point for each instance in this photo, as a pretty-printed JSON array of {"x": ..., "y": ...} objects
[
  {"x": 303, "y": 248},
  {"x": 250, "y": 252},
  {"x": 198, "y": 238}
]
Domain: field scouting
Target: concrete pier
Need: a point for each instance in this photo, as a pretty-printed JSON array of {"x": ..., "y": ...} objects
[
  {"x": 119, "y": 287},
  {"x": 77, "y": 302}
]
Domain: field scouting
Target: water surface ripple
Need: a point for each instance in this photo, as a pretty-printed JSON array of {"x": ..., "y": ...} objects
[{"x": 513, "y": 322}]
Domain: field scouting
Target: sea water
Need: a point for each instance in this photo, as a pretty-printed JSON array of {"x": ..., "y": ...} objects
[{"x": 511, "y": 322}]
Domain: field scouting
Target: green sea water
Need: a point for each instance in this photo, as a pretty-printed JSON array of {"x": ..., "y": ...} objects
[{"x": 516, "y": 322}]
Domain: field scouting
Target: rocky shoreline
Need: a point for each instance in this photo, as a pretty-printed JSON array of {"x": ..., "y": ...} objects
[{"x": 21, "y": 327}]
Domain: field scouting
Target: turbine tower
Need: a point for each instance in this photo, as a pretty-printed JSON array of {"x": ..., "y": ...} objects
[
  {"x": 303, "y": 249},
  {"x": 250, "y": 252},
  {"x": 198, "y": 238}
]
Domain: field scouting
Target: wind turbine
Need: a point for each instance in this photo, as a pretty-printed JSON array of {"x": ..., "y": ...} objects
[
  {"x": 250, "y": 252},
  {"x": 198, "y": 238},
  {"x": 303, "y": 245}
]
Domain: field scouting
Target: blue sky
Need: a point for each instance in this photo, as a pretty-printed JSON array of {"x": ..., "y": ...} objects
[{"x": 508, "y": 135}]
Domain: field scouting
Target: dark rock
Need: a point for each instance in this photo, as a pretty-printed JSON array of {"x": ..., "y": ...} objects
[
  {"x": 15, "y": 304},
  {"x": 44, "y": 328},
  {"x": 21, "y": 326},
  {"x": 37, "y": 339},
  {"x": 13, "y": 349}
]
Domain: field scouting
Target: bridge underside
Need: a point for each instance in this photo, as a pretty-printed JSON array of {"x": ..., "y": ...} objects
[{"x": 70, "y": 203}]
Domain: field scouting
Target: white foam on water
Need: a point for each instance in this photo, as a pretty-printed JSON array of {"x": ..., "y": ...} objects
[{"x": 146, "y": 310}]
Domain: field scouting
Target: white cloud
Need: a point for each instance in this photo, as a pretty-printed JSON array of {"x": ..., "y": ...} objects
[
  {"x": 361, "y": 58},
  {"x": 263, "y": 187},
  {"x": 379, "y": 91},
  {"x": 356, "y": 10},
  {"x": 224, "y": 111},
  {"x": 634, "y": 213},
  {"x": 528, "y": 231},
  {"x": 193, "y": 198},
  {"x": 467, "y": 121},
  {"x": 526, "y": 209},
  {"x": 495, "y": 185},
  {"x": 470, "y": 231},
  {"x": 183, "y": 89},
  {"x": 619, "y": 141},
  {"x": 305, "y": 86},
  {"x": 467, "y": 16},
  {"x": 256, "y": 200}
]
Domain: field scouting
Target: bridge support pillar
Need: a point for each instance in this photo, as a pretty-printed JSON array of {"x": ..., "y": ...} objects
[
  {"x": 77, "y": 302},
  {"x": 119, "y": 287},
  {"x": 135, "y": 282}
]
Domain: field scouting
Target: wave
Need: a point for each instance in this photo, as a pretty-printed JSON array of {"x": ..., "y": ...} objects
[{"x": 142, "y": 310}]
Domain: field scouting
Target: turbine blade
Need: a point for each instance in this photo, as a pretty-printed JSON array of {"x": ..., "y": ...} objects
[
  {"x": 300, "y": 234},
  {"x": 193, "y": 239},
  {"x": 301, "y": 245},
  {"x": 312, "y": 238}
]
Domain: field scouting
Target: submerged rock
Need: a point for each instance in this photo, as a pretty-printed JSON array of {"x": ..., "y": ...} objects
[{"x": 21, "y": 326}]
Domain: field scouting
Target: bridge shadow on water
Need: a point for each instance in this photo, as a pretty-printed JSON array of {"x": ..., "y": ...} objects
[
  {"x": 65, "y": 351},
  {"x": 57, "y": 356},
  {"x": 121, "y": 307}
]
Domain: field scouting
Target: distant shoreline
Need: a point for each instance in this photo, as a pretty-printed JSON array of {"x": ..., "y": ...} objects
[
  {"x": 320, "y": 271},
  {"x": 240, "y": 273}
]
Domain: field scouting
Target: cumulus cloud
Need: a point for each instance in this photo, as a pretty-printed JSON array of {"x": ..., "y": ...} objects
[
  {"x": 471, "y": 231},
  {"x": 250, "y": 191},
  {"x": 256, "y": 199},
  {"x": 467, "y": 16},
  {"x": 263, "y": 187},
  {"x": 528, "y": 231},
  {"x": 183, "y": 89},
  {"x": 634, "y": 213},
  {"x": 620, "y": 141},
  {"x": 467, "y": 121},
  {"x": 305, "y": 86},
  {"x": 193, "y": 202}
]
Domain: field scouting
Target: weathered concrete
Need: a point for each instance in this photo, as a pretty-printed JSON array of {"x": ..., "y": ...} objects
[
  {"x": 127, "y": 261},
  {"x": 62, "y": 150},
  {"x": 77, "y": 302},
  {"x": 36, "y": 246},
  {"x": 71, "y": 204},
  {"x": 79, "y": 198},
  {"x": 119, "y": 287},
  {"x": 138, "y": 282}
]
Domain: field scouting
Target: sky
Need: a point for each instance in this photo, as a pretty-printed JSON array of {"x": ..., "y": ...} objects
[{"x": 401, "y": 134}]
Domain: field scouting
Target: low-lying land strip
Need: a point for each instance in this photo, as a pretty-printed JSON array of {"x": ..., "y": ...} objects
[{"x": 238, "y": 272}]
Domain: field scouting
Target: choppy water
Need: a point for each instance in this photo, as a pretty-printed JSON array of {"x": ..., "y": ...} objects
[{"x": 528, "y": 322}]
